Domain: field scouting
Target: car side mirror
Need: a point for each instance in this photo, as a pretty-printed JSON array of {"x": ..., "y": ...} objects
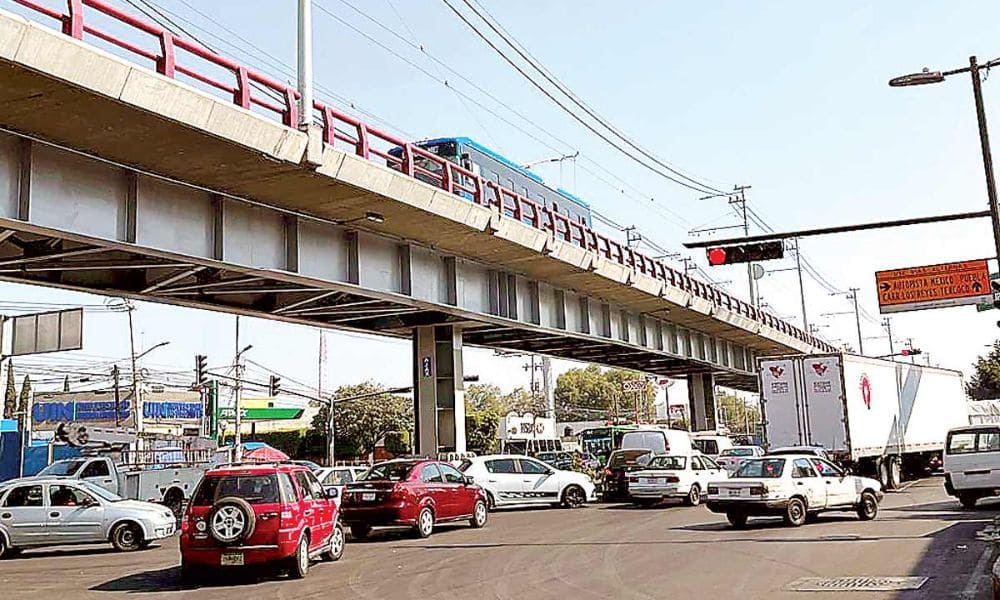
[
  {"x": 468, "y": 480},
  {"x": 88, "y": 502},
  {"x": 332, "y": 492}
]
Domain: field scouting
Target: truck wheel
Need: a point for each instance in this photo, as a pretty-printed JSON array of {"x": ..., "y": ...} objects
[
  {"x": 968, "y": 500},
  {"x": 882, "y": 468},
  {"x": 126, "y": 537},
  {"x": 174, "y": 500},
  {"x": 895, "y": 472},
  {"x": 868, "y": 507},
  {"x": 737, "y": 519},
  {"x": 795, "y": 513}
]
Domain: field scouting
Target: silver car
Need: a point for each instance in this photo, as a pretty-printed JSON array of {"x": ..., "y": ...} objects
[{"x": 36, "y": 512}]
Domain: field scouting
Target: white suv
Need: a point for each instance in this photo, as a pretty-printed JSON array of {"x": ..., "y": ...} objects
[{"x": 511, "y": 479}]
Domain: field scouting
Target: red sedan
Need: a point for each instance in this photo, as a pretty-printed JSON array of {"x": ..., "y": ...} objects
[{"x": 415, "y": 493}]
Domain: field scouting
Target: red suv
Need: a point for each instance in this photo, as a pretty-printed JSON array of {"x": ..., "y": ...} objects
[
  {"x": 259, "y": 514},
  {"x": 415, "y": 493}
]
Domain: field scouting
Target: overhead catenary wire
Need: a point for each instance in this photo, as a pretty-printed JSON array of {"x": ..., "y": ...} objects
[{"x": 657, "y": 170}]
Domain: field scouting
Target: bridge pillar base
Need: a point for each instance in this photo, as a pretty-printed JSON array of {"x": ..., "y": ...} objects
[
  {"x": 701, "y": 396},
  {"x": 438, "y": 390}
]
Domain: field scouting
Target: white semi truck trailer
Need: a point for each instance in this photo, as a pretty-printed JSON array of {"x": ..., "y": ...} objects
[{"x": 879, "y": 417}]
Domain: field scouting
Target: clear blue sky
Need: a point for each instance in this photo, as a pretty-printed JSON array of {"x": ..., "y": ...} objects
[{"x": 788, "y": 97}]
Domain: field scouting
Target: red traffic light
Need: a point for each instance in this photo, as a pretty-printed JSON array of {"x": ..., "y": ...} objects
[
  {"x": 909, "y": 352},
  {"x": 716, "y": 256}
]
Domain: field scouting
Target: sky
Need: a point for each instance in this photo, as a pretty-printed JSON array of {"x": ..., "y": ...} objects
[{"x": 789, "y": 98}]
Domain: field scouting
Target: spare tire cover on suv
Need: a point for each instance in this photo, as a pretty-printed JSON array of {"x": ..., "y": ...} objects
[{"x": 231, "y": 520}]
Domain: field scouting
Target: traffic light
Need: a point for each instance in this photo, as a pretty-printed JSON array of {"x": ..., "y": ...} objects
[
  {"x": 274, "y": 386},
  {"x": 744, "y": 253},
  {"x": 911, "y": 352},
  {"x": 200, "y": 369}
]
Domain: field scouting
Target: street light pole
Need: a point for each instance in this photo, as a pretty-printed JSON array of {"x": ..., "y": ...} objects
[
  {"x": 984, "y": 141},
  {"x": 802, "y": 290},
  {"x": 857, "y": 320}
]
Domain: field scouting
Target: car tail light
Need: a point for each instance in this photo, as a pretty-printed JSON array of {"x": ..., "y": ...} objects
[
  {"x": 673, "y": 479},
  {"x": 758, "y": 490},
  {"x": 633, "y": 480},
  {"x": 608, "y": 473},
  {"x": 185, "y": 525}
]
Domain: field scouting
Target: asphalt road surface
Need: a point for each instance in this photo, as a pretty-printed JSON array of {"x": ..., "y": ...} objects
[{"x": 597, "y": 552}]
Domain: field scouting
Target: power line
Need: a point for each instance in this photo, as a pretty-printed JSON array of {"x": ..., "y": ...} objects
[
  {"x": 697, "y": 188},
  {"x": 493, "y": 24}
]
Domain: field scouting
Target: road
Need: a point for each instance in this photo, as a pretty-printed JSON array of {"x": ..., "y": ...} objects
[{"x": 602, "y": 551}]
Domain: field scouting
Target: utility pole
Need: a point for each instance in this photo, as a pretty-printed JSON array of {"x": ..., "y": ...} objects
[
  {"x": 984, "y": 141},
  {"x": 331, "y": 433},
  {"x": 751, "y": 282},
  {"x": 118, "y": 400},
  {"x": 136, "y": 394},
  {"x": 857, "y": 320},
  {"x": 802, "y": 290},
  {"x": 238, "y": 395},
  {"x": 547, "y": 387},
  {"x": 888, "y": 329},
  {"x": 305, "y": 64}
]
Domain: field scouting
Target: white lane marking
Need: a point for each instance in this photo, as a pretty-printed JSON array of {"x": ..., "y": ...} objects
[{"x": 978, "y": 577}]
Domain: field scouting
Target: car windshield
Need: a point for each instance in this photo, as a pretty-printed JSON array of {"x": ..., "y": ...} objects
[
  {"x": 737, "y": 452},
  {"x": 255, "y": 489},
  {"x": 100, "y": 492},
  {"x": 670, "y": 463},
  {"x": 625, "y": 458},
  {"x": 62, "y": 468},
  {"x": 393, "y": 471},
  {"x": 768, "y": 468}
]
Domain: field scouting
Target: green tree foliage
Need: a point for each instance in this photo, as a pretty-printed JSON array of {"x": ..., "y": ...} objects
[
  {"x": 485, "y": 405},
  {"x": 592, "y": 393},
  {"x": 985, "y": 381},
  {"x": 10, "y": 396},
  {"x": 24, "y": 402},
  {"x": 362, "y": 417},
  {"x": 737, "y": 415}
]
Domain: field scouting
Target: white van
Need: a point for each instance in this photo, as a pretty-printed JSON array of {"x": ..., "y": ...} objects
[
  {"x": 711, "y": 443},
  {"x": 972, "y": 463},
  {"x": 659, "y": 440}
]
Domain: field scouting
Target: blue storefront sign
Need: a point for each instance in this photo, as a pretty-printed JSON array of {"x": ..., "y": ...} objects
[
  {"x": 173, "y": 410},
  {"x": 49, "y": 413}
]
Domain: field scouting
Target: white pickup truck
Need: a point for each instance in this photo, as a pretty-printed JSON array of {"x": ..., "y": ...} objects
[{"x": 170, "y": 486}]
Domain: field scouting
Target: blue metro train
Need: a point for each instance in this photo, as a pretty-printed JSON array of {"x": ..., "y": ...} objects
[{"x": 479, "y": 159}]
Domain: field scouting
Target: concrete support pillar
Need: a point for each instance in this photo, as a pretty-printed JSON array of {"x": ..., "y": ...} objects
[
  {"x": 438, "y": 390},
  {"x": 701, "y": 396}
]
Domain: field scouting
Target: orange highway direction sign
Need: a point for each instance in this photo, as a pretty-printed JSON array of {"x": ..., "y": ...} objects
[{"x": 934, "y": 286}]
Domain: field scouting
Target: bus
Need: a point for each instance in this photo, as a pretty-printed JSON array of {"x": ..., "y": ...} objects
[{"x": 602, "y": 441}]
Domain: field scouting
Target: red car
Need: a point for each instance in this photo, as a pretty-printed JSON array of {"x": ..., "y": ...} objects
[
  {"x": 263, "y": 514},
  {"x": 414, "y": 493}
]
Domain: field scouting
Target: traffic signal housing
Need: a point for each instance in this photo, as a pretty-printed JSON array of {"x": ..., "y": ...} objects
[
  {"x": 744, "y": 253},
  {"x": 200, "y": 369},
  {"x": 273, "y": 386},
  {"x": 911, "y": 352}
]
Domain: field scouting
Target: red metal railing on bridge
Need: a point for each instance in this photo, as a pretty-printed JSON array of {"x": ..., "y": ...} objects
[{"x": 250, "y": 89}]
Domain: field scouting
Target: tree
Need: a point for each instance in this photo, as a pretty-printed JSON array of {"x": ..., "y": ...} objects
[
  {"x": 985, "y": 381},
  {"x": 10, "y": 396},
  {"x": 23, "y": 402},
  {"x": 590, "y": 393},
  {"x": 362, "y": 418},
  {"x": 737, "y": 415},
  {"x": 485, "y": 405}
]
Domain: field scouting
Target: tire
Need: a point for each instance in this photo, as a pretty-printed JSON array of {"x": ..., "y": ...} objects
[
  {"x": 894, "y": 470},
  {"x": 573, "y": 497},
  {"x": 174, "y": 500},
  {"x": 335, "y": 550},
  {"x": 127, "y": 537},
  {"x": 491, "y": 502},
  {"x": 5, "y": 550},
  {"x": 737, "y": 519},
  {"x": 425, "y": 523},
  {"x": 795, "y": 512},
  {"x": 868, "y": 506},
  {"x": 694, "y": 496},
  {"x": 882, "y": 469},
  {"x": 231, "y": 520},
  {"x": 298, "y": 564},
  {"x": 479, "y": 515},
  {"x": 968, "y": 500},
  {"x": 360, "y": 532}
]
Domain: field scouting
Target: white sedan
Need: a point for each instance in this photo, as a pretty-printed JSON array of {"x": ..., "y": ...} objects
[
  {"x": 511, "y": 479},
  {"x": 731, "y": 459},
  {"x": 666, "y": 476},
  {"x": 794, "y": 487},
  {"x": 338, "y": 477}
]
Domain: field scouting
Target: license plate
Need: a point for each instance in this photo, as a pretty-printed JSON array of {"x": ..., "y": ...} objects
[
  {"x": 368, "y": 497},
  {"x": 732, "y": 492},
  {"x": 232, "y": 559},
  {"x": 652, "y": 480}
]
